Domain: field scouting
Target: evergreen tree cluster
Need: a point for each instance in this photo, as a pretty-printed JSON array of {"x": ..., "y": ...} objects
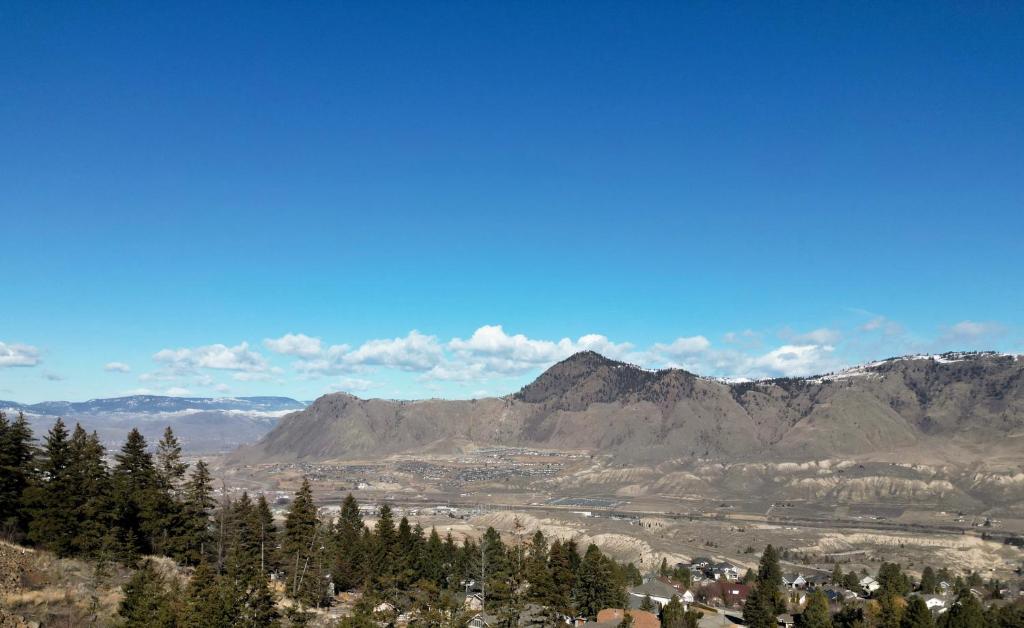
[
  {"x": 62, "y": 495},
  {"x": 413, "y": 570}
]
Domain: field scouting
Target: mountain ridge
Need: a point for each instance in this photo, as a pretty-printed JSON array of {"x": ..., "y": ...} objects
[{"x": 590, "y": 402}]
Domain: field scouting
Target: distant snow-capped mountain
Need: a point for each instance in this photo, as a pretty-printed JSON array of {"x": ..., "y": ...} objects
[{"x": 202, "y": 424}]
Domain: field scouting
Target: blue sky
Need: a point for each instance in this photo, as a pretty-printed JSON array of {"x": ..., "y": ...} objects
[{"x": 442, "y": 199}]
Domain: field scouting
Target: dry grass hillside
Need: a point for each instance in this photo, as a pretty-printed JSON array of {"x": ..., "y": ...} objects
[{"x": 38, "y": 589}]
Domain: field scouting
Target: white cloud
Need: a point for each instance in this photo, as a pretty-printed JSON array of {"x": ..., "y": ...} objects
[
  {"x": 492, "y": 340},
  {"x": 414, "y": 352},
  {"x": 18, "y": 355},
  {"x": 350, "y": 385},
  {"x": 883, "y": 325},
  {"x": 177, "y": 391},
  {"x": 116, "y": 367},
  {"x": 161, "y": 376},
  {"x": 697, "y": 355},
  {"x": 222, "y": 388},
  {"x": 747, "y": 338},
  {"x": 683, "y": 346},
  {"x": 491, "y": 351},
  {"x": 328, "y": 362},
  {"x": 218, "y": 356},
  {"x": 822, "y": 336},
  {"x": 458, "y": 372},
  {"x": 243, "y": 376},
  {"x": 604, "y": 346},
  {"x": 793, "y": 361},
  {"x": 972, "y": 330},
  {"x": 294, "y": 344}
]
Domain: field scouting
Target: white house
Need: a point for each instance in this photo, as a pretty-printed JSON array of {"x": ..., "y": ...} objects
[
  {"x": 660, "y": 592},
  {"x": 726, "y": 570},
  {"x": 869, "y": 584},
  {"x": 933, "y": 602}
]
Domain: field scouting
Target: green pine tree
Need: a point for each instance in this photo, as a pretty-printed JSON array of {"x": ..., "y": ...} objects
[
  {"x": 917, "y": 615},
  {"x": 769, "y": 580},
  {"x": 759, "y": 609},
  {"x": 137, "y": 498},
  {"x": 90, "y": 501},
  {"x": 408, "y": 554},
  {"x": 563, "y": 576},
  {"x": 267, "y": 535},
  {"x": 892, "y": 580},
  {"x": 816, "y": 614},
  {"x": 49, "y": 499},
  {"x": 432, "y": 561},
  {"x": 929, "y": 583},
  {"x": 209, "y": 601},
  {"x": 300, "y": 548},
  {"x": 16, "y": 471},
  {"x": 538, "y": 574},
  {"x": 837, "y": 575},
  {"x": 596, "y": 585},
  {"x": 146, "y": 602},
  {"x": 385, "y": 544},
  {"x": 891, "y": 611},
  {"x": 348, "y": 563},
  {"x": 169, "y": 465},
  {"x": 966, "y": 612},
  {"x": 672, "y": 613}
]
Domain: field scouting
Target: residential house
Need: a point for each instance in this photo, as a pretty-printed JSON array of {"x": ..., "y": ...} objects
[
  {"x": 724, "y": 593},
  {"x": 869, "y": 584},
  {"x": 531, "y": 615},
  {"x": 384, "y": 607},
  {"x": 701, "y": 564},
  {"x": 934, "y": 602},
  {"x": 728, "y": 571},
  {"x": 660, "y": 592},
  {"x": 613, "y": 617},
  {"x": 835, "y": 596},
  {"x": 794, "y": 581},
  {"x": 480, "y": 621},
  {"x": 473, "y": 602}
]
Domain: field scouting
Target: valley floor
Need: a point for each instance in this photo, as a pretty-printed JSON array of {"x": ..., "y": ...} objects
[{"x": 821, "y": 513}]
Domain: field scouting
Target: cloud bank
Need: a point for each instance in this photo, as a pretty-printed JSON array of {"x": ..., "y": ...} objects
[{"x": 495, "y": 359}]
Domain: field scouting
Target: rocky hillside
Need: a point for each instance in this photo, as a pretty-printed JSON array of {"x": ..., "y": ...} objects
[{"x": 959, "y": 406}]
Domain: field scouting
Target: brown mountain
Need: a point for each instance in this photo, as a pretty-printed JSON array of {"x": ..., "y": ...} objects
[{"x": 960, "y": 405}]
